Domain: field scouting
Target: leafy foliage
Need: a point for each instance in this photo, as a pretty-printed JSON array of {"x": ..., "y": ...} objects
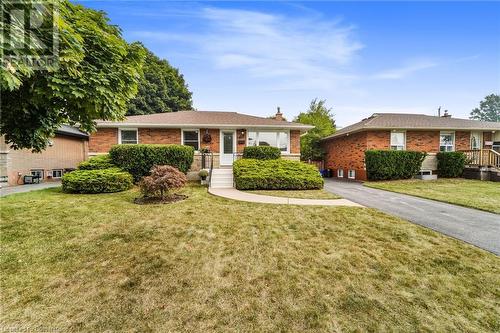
[
  {"x": 96, "y": 76},
  {"x": 97, "y": 162},
  {"x": 262, "y": 152},
  {"x": 162, "y": 89},
  {"x": 97, "y": 181},
  {"x": 451, "y": 164},
  {"x": 393, "y": 164},
  {"x": 321, "y": 117},
  {"x": 489, "y": 109},
  {"x": 164, "y": 179},
  {"x": 277, "y": 174},
  {"x": 139, "y": 159}
]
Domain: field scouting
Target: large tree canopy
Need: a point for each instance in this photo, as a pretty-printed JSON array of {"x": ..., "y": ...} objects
[
  {"x": 321, "y": 117},
  {"x": 162, "y": 89},
  {"x": 96, "y": 76},
  {"x": 489, "y": 109}
]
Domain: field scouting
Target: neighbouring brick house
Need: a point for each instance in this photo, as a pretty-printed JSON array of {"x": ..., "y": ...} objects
[
  {"x": 68, "y": 148},
  {"x": 225, "y": 134},
  {"x": 345, "y": 150}
]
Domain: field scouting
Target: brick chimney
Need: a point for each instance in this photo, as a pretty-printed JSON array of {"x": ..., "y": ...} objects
[
  {"x": 446, "y": 114},
  {"x": 279, "y": 115}
]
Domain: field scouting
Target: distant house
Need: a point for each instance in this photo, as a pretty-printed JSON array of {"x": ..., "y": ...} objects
[
  {"x": 68, "y": 148},
  {"x": 225, "y": 134},
  {"x": 345, "y": 150}
]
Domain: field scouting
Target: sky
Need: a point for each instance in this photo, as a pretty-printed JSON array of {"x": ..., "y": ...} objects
[{"x": 361, "y": 57}]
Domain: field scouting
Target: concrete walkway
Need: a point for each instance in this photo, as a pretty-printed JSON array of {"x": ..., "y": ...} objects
[
  {"x": 232, "y": 193},
  {"x": 27, "y": 188},
  {"x": 476, "y": 227}
]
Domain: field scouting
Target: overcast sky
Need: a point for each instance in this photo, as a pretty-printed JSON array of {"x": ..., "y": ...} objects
[{"x": 362, "y": 57}]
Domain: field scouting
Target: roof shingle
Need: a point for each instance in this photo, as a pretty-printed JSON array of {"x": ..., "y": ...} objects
[
  {"x": 415, "y": 121},
  {"x": 202, "y": 119}
]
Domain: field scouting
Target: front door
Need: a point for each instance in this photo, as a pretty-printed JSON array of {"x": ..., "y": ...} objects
[{"x": 227, "y": 148}]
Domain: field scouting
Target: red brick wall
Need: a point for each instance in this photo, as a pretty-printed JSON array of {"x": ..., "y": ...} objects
[
  {"x": 102, "y": 140},
  {"x": 241, "y": 140},
  {"x": 214, "y": 145},
  {"x": 160, "y": 135},
  {"x": 347, "y": 152},
  {"x": 487, "y": 136},
  {"x": 427, "y": 141},
  {"x": 294, "y": 142},
  {"x": 378, "y": 139},
  {"x": 462, "y": 140}
]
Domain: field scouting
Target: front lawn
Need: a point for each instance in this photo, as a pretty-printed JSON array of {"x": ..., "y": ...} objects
[
  {"x": 100, "y": 263},
  {"x": 304, "y": 194},
  {"x": 464, "y": 192}
]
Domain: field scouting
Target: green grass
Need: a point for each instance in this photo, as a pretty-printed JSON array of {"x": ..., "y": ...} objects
[
  {"x": 477, "y": 194},
  {"x": 302, "y": 194},
  {"x": 99, "y": 263}
]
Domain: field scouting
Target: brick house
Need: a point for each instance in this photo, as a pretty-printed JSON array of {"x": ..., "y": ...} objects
[
  {"x": 345, "y": 150},
  {"x": 66, "y": 149},
  {"x": 225, "y": 134}
]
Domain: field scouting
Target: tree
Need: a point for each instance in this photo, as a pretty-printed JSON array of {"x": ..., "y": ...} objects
[
  {"x": 162, "y": 89},
  {"x": 321, "y": 118},
  {"x": 96, "y": 76},
  {"x": 489, "y": 109}
]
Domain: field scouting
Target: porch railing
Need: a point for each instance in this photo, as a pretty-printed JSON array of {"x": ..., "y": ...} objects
[{"x": 482, "y": 157}]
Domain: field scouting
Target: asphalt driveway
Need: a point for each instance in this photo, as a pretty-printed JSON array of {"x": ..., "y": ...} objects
[{"x": 476, "y": 227}]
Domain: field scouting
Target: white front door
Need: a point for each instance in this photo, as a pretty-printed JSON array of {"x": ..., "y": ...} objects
[{"x": 228, "y": 147}]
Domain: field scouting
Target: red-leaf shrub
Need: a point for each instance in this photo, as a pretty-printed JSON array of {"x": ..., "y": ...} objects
[{"x": 164, "y": 179}]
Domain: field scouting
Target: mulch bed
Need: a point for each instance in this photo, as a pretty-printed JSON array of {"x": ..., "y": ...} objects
[{"x": 151, "y": 201}]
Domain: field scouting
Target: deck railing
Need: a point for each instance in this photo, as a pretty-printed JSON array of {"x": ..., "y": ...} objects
[{"x": 482, "y": 157}]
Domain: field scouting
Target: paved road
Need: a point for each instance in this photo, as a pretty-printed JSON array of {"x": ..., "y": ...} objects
[
  {"x": 27, "y": 188},
  {"x": 473, "y": 226}
]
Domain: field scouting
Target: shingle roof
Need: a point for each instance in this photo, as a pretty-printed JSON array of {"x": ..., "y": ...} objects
[
  {"x": 71, "y": 131},
  {"x": 415, "y": 121},
  {"x": 201, "y": 119}
]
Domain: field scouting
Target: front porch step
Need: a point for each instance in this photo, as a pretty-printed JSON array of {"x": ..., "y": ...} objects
[{"x": 222, "y": 178}]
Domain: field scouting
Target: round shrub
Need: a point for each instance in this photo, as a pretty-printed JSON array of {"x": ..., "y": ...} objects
[
  {"x": 97, "y": 181},
  {"x": 162, "y": 182},
  {"x": 393, "y": 164},
  {"x": 262, "y": 152},
  {"x": 451, "y": 164},
  {"x": 139, "y": 159},
  {"x": 96, "y": 162}
]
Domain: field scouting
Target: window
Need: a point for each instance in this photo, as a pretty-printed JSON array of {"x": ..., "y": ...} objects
[
  {"x": 57, "y": 173},
  {"x": 128, "y": 136},
  {"x": 37, "y": 173},
  {"x": 191, "y": 138},
  {"x": 398, "y": 140},
  {"x": 351, "y": 174},
  {"x": 277, "y": 139},
  {"x": 447, "y": 141},
  {"x": 475, "y": 140},
  {"x": 340, "y": 173}
]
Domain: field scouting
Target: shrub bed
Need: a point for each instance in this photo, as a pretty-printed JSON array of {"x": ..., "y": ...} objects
[
  {"x": 97, "y": 181},
  {"x": 262, "y": 152},
  {"x": 139, "y": 159},
  {"x": 451, "y": 164},
  {"x": 393, "y": 164},
  {"x": 96, "y": 162},
  {"x": 276, "y": 174}
]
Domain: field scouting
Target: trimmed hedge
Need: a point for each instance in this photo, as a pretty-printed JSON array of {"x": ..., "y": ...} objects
[
  {"x": 393, "y": 164},
  {"x": 139, "y": 159},
  {"x": 276, "y": 174},
  {"x": 451, "y": 164},
  {"x": 262, "y": 152},
  {"x": 96, "y": 163},
  {"x": 97, "y": 181}
]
